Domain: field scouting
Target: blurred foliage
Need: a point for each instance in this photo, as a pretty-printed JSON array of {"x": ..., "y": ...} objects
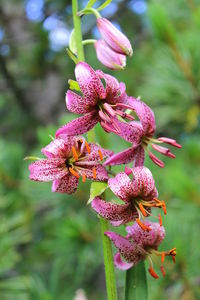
[{"x": 49, "y": 243}]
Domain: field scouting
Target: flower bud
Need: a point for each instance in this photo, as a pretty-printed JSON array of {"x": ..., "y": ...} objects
[
  {"x": 113, "y": 37},
  {"x": 108, "y": 57}
]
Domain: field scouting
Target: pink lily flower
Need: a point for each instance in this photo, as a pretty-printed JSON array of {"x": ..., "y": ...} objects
[
  {"x": 140, "y": 142},
  {"x": 115, "y": 39},
  {"x": 138, "y": 195},
  {"x": 108, "y": 57},
  {"x": 98, "y": 104},
  {"x": 67, "y": 160},
  {"x": 139, "y": 245}
]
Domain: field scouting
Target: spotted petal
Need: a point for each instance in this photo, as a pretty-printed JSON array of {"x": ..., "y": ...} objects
[
  {"x": 143, "y": 183},
  {"x": 100, "y": 172},
  {"x": 133, "y": 253},
  {"x": 121, "y": 186},
  {"x": 131, "y": 132},
  {"x": 80, "y": 125},
  {"x": 152, "y": 238},
  {"x": 66, "y": 185},
  {"x": 123, "y": 157},
  {"x": 58, "y": 148},
  {"x": 145, "y": 115},
  {"x": 112, "y": 211},
  {"x": 112, "y": 85},
  {"x": 90, "y": 84},
  {"x": 76, "y": 103},
  {"x": 47, "y": 169},
  {"x": 120, "y": 264}
]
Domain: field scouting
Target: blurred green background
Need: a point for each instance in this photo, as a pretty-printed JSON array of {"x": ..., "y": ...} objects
[{"x": 50, "y": 247}]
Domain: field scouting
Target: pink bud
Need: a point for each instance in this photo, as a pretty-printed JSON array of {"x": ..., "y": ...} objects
[
  {"x": 108, "y": 57},
  {"x": 113, "y": 37}
]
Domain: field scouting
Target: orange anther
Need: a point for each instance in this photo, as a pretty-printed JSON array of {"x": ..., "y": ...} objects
[
  {"x": 163, "y": 257},
  {"x": 100, "y": 154},
  {"x": 164, "y": 207},
  {"x": 87, "y": 147},
  {"x": 174, "y": 259},
  {"x": 160, "y": 220},
  {"x": 141, "y": 207},
  {"x": 94, "y": 173},
  {"x": 84, "y": 178},
  {"x": 74, "y": 173},
  {"x": 162, "y": 270},
  {"x": 143, "y": 226},
  {"x": 74, "y": 153},
  {"x": 153, "y": 273}
]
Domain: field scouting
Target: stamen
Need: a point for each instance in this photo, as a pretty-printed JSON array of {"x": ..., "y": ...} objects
[
  {"x": 160, "y": 219},
  {"x": 143, "y": 226},
  {"x": 84, "y": 178},
  {"x": 94, "y": 173},
  {"x": 109, "y": 109},
  {"x": 124, "y": 106},
  {"x": 153, "y": 273},
  {"x": 162, "y": 270},
  {"x": 174, "y": 259},
  {"x": 164, "y": 207},
  {"x": 163, "y": 257},
  {"x": 74, "y": 153},
  {"x": 108, "y": 128},
  {"x": 87, "y": 147},
  {"x": 74, "y": 173},
  {"x": 124, "y": 115},
  {"x": 100, "y": 154},
  {"x": 142, "y": 209},
  {"x": 104, "y": 117}
]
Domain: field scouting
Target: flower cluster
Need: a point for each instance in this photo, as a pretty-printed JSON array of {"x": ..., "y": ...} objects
[{"x": 70, "y": 157}]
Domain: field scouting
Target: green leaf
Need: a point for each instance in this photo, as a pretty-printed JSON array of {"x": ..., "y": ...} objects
[
  {"x": 90, "y": 3},
  {"x": 73, "y": 85},
  {"x": 96, "y": 189},
  {"x": 104, "y": 5},
  {"x": 136, "y": 283},
  {"x": 72, "y": 42}
]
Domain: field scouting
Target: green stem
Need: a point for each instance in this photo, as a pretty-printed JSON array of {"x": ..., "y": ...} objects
[
  {"x": 108, "y": 262},
  {"x": 107, "y": 246},
  {"x": 77, "y": 31},
  {"x": 89, "y": 41}
]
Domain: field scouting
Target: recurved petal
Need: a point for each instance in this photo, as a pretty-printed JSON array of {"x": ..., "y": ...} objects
[
  {"x": 58, "y": 148},
  {"x": 47, "y": 169},
  {"x": 90, "y": 84},
  {"x": 112, "y": 85},
  {"x": 143, "y": 183},
  {"x": 79, "y": 126},
  {"x": 145, "y": 114},
  {"x": 139, "y": 157},
  {"x": 94, "y": 172},
  {"x": 123, "y": 157},
  {"x": 66, "y": 185},
  {"x": 112, "y": 211},
  {"x": 120, "y": 264},
  {"x": 152, "y": 238},
  {"x": 131, "y": 132},
  {"x": 121, "y": 186},
  {"x": 133, "y": 253},
  {"x": 76, "y": 103},
  {"x": 96, "y": 154}
]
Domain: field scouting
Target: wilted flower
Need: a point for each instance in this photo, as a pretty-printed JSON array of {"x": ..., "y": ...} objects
[
  {"x": 114, "y": 37},
  {"x": 67, "y": 160},
  {"x": 98, "y": 104},
  {"x": 140, "y": 134},
  {"x": 108, "y": 57},
  {"x": 139, "y": 195},
  {"x": 139, "y": 245}
]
